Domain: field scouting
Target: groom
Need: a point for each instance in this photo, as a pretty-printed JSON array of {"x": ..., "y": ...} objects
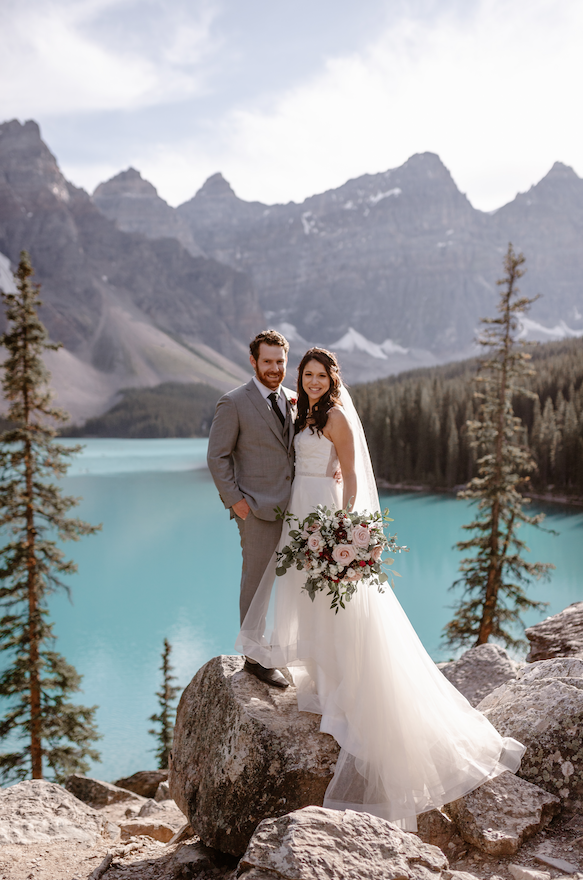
[{"x": 251, "y": 459}]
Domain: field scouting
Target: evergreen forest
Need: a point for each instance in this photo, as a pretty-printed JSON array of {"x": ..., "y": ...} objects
[
  {"x": 416, "y": 422},
  {"x": 168, "y": 410}
]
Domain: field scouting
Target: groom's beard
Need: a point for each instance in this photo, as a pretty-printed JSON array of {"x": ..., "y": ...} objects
[{"x": 271, "y": 377}]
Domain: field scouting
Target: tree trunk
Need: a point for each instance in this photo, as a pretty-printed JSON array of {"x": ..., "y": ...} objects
[
  {"x": 33, "y": 599},
  {"x": 495, "y": 562},
  {"x": 33, "y": 631}
]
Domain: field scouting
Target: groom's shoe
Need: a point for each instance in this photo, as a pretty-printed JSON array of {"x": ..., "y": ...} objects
[{"x": 269, "y": 676}]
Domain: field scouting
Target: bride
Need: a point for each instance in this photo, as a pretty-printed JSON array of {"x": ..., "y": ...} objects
[{"x": 410, "y": 742}]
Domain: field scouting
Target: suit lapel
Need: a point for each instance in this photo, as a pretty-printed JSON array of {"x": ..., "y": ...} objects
[{"x": 264, "y": 411}]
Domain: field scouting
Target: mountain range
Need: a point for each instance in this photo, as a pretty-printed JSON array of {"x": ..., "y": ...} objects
[{"x": 392, "y": 270}]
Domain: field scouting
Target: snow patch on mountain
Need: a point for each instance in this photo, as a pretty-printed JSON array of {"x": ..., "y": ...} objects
[
  {"x": 6, "y": 277},
  {"x": 354, "y": 341},
  {"x": 309, "y": 223},
  {"x": 291, "y": 334},
  {"x": 374, "y": 200},
  {"x": 535, "y": 332}
]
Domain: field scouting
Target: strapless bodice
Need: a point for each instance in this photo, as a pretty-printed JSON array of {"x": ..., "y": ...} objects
[{"x": 315, "y": 455}]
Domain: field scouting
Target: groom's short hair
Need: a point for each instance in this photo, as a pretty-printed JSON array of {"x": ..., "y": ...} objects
[{"x": 269, "y": 337}]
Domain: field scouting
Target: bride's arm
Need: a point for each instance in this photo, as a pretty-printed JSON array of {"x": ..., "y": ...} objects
[{"x": 338, "y": 430}]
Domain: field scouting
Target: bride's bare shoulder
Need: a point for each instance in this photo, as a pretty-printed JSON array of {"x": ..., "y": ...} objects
[{"x": 337, "y": 418}]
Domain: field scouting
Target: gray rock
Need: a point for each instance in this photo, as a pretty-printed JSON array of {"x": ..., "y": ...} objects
[
  {"x": 437, "y": 828},
  {"x": 543, "y": 708},
  {"x": 162, "y": 792},
  {"x": 520, "y": 872},
  {"x": 501, "y": 814},
  {"x": 558, "y": 864},
  {"x": 242, "y": 752},
  {"x": 148, "y": 828},
  {"x": 464, "y": 875},
  {"x": 558, "y": 636},
  {"x": 480, "y": 670},
  {"x": 98, "y": 793},
  {"x": 192, "y": 858},
  {"x": 149, "y": 808},
  {"x": 144, "y": 782},
  {"x": 36, "y": 811},
  {"x": 318, "y": 844}
]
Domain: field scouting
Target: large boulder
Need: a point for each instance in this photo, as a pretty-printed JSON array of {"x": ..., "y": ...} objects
[
  {"x": 502, "y": 813},
  {"x": 319, "y": 844},
  {"x": 97, "y": 793},
  {"x": 144, "y": 782},
  {"x": 543, "y": 708},
  {"x": 558, "y": 636},
  {"x": 36, "y": 811},
  {"x": 480, "y": 670},
  {"x": 243, "y": 752}
]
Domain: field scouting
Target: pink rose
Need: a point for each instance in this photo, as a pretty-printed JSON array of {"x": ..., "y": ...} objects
[
  {"x": 343, "y": 554},
  {"x": 377, "y": 552},
  {"x": 360, "y": 536},
  {"x": 353, "y": 575},
  {"x": 315, "y": 542}
]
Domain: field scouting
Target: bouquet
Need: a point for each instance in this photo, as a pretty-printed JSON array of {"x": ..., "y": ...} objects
[{"x": 338, "y": 550}]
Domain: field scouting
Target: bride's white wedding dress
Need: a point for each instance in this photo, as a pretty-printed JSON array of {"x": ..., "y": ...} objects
[{"x": 409, "y": 740}]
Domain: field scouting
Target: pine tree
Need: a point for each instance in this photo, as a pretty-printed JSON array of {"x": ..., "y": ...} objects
[
  {"x": 36, "y": 681},
  {"x": 165, "y": 717},
  {"x": 494, "y": 578}
]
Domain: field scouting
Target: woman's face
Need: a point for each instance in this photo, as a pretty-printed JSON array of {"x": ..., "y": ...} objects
[{"x": 315, "y": 381}]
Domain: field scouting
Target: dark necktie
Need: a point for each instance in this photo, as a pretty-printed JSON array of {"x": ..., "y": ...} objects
[{"x": 275, "y": 406}]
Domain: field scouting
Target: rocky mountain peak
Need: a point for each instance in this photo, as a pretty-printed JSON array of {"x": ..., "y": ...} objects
[
  {"x": 135, "y": 206},
  {"x": 559, "y": 189},
  {"x": 216, "y": 187},
  {"x": 27, "y": 165},
  {"x": 560, "y": 171},
  {"x": 427, "y": 165},
  {"x": 126, "y": 183}
]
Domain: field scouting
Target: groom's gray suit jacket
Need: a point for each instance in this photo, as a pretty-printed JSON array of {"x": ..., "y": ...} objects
[{"x": 250, "y": 455}]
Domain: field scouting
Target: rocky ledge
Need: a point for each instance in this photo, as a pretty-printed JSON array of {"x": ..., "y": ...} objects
[{"x": 249, "y": 771}]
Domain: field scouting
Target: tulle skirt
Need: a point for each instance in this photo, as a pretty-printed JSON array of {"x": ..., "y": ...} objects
[{"x": 410, "y": 742}]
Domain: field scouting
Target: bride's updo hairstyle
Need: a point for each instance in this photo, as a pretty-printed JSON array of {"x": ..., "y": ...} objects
[{"x": 319, "y": 415}]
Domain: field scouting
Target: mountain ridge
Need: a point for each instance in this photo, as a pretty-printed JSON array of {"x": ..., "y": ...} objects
[
  {"x": 393, "y": 268},
  {"x": 130, "y": 311}
]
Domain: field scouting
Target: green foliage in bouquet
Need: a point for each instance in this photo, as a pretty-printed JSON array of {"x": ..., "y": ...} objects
[{"x": 338, "y": 550}]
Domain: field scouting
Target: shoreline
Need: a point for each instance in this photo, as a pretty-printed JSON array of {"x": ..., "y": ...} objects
[{"x": 547, "y": 497}]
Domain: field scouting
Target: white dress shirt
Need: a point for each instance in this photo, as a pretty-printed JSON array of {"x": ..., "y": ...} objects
[{"x": 265, "y": 392}]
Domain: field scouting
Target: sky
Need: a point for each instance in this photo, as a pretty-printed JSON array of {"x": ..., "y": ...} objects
[{"x": 288, "y": 99}]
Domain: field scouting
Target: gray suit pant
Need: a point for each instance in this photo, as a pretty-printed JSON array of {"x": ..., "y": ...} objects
[{"x": 259, "y": 539}]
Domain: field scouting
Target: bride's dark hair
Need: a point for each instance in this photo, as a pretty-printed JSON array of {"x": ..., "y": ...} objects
[{"x": 319, "y": 414}]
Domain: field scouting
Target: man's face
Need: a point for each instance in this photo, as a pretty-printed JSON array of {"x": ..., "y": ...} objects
[{"x": 270, "y": 365}]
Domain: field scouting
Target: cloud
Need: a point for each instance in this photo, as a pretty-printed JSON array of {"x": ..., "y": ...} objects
[
  {"x": 89, "y": 55},
  {"x": 492, "y": 86},
  {"x": 494, "y": 92}
]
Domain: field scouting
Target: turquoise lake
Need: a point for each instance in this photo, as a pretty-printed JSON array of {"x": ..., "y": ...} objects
[{"x": 167, "y": 565}]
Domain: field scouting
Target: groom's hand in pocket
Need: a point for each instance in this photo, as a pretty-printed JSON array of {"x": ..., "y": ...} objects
[{"x": 241, "y": 509}]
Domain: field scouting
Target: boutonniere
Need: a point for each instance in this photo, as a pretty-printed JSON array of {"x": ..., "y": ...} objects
[{"x": 293, "y": 401}]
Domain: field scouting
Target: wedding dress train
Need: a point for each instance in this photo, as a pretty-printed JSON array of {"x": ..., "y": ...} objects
[{"x": 409, "y": 740}]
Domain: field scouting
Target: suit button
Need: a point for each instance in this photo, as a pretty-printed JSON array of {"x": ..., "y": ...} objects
[{"x": 288, "y": 478}]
